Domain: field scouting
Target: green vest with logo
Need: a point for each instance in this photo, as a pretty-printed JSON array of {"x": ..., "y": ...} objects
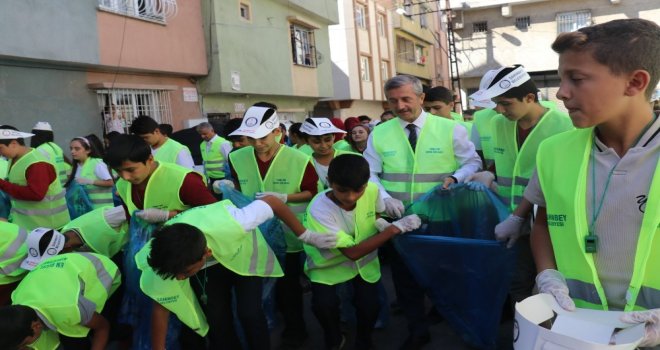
[
  {"x": 97, "y": 234},
  {"x": 284, "y": 175},
  {"x": 482, "y": 120},
  {"x": 93, "y": 276},
  {"x": 12, "y": 252},
  {"x": 214, "y": 161},
  {"x": 515, "y": 166},
  {"x": 55, "y": 155},
  {"x": 50, "y": 212},
  {"x": 407, "y": 175},
  {"x": 168, "y": 151},
  {"x": 330, "y": 266},
  {"x": 98, "y": 195},
  {"x": 320, "y": 186},
  {"x": 162, "y": 190},
  {"x": 563, "y": 163}
]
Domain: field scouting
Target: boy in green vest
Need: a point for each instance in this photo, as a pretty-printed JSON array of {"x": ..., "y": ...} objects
[
  {"x": 350, "y": 208},
  {"x": 439, "y": 101},
  {"x": 270, "y": 168},
  {"x": 43, "y": 140},
  {"x": 163, "y": 148},
  {"x": 37, "y": 196},
  {"x": 596, "y": 240},
  {"x": 218, "y": 249}
]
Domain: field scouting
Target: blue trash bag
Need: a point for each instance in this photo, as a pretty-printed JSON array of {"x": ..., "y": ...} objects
[
  {"x": 5, "y": 205},
  {"x": 136, "y": 306},
  {"x": 77, "y": 200},
  {"x": 455, "y": 258}
]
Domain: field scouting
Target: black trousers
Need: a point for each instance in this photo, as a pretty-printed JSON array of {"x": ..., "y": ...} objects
[
  {"x": 289, "y": 297},
  {"x": 325, "y": 305}
]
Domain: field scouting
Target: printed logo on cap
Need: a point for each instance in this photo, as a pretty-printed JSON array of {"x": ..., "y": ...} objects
[
  {"x": 270, "y": 125},
  {"x": 325, "y": 125},
  {"x": 505, "y": 84},
  {"x": 33, "y": 252},
  {"x": 252, "y": 121}
]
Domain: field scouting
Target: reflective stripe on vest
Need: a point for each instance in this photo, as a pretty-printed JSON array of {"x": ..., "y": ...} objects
[
  {"x": 97, "y": 234},
  {"x": 482, "y": 120},
  {"x": 14, "y": 251},
  {"x": 50, "y": 212},
  {"x": 331, "y": 266},
  {"x": 407, "y": 175},
  {"x": 514, "y": 165},
  {"x": 563, "y": 163},
  {"x": 98, "y": 195},
  {"x": 162, "y": 190},
  {"x": 169, "y": 151},
  {"x": 214, "y": 161},
  {"x": 284, "y": 175}
]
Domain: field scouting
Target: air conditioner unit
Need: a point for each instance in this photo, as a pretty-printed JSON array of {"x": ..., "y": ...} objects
[
  {"x": 507, "y": 11},
  {"x": 457, "y": 25}
]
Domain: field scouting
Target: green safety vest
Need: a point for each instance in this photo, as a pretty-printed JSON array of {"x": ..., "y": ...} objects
[
  {"x": 93, "y": 276},
  {"x": 331, "y": 266},
  {"x": 55, "y": 155},
  {"x": 407, "y": 175},
  {"x": 99, "y": 196},
  {"x": 97, "y": 234},
  {"x": 548, "y": 104},
  {"x": 320, "y": 186},
  {"x": 515, "y": 166},
  {"x": 48, "y": 340},
  {"x": 482, "y": 120},
  {"x": 284, "y": 175},
  {"x": 4, "y": 168},
  {"x": 563, "y": 163},
  {"x": 12, "y": 252},
  {"x": 214, "y": 161},
  {"x": 162, "y": 190},
  {"x": 50, "y": 212},
  {"x": 168, "y": 152},
  {"x": 306, "y": 149},
  {"x": 456, "y": 116},
  {"x": 342, "y": 145}
]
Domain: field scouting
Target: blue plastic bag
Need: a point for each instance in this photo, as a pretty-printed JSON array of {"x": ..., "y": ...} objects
[
  {"x": 5, "y": 205},
  {"x": 77, "y": 200},
  {"x": 455, "y": 258}
]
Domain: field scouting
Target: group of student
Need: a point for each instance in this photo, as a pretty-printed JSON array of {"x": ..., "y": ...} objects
[{"x": 591, "y": 242}]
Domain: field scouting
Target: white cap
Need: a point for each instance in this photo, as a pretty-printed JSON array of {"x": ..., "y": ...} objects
[
  {"x": 35, "y": 256},
  {"x": 514, "y": 79},
  {"x": 9, "y": 134},
  {"x": 252, "y": 125},
  {"x": 42, "y": 126},
  {"x": 319, "y": 126}
]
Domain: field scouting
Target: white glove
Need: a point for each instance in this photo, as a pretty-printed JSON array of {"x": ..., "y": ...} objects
[
  {"x": 115, "y": 217},
  {"x": 153, "y": 215},
  {"x": 408, "y": 223},
  {"x": 485, "y": 177},
  {"x": 280, "y": 196},
  {"x": 382, "y": 224},
  {"x": 652, "y": 320},
  {"x": 509, "y": 230},
  {"x": 319, "y": 240},
  {"x": 218, "y": 183},
  {"x": 84, "y": 181},
  {"x": 394, "y": 208},
  {"x": 552, "y": 282}
]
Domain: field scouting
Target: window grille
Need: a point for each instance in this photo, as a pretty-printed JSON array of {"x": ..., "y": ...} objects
[
  {"x": 361, "y": 16},
  {"x": 480, "y": 27},
  {"x": 365, "y": 69},
  {"x": 128, "y": 104},
  {"x": 405, "y": 49},
  {"x": 381, "y": 25},
  {"x": 572, "y": 21},
  {"x": 153, "y": 10},
  {"x": 384, "y": 70},
  {"x": 302, "y": 44},
  {"x": 245, "y": 11},
  {"x": 523, "y": 23}
]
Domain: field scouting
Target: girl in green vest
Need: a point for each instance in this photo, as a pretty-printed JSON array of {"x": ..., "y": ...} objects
[{"x": 91, "y": 172}]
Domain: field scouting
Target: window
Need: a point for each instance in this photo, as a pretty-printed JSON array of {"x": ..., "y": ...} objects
[
  {"x": 419, "y": 55},
  {"x": 302, "y": 44},
  {"x": 365, "y": 72},
  {"x": 572, "y": 21},
  {"x": 153, "y": 10},
  {"x": 422, "y": 17},
  {"x": 522, "y": 23},
  {"x": 128, "y": 104},
  {"x": 405, "y": 49},
  {"x": 360, "y": 16},
  {"x": 480, "y": 27},
  {"x": 380, "y": 19},
  {"x": 245, "y": 11},
  {"x": 384, "y": 70}
]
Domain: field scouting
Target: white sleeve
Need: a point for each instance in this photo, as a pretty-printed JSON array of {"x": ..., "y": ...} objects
[
  {"x": 101, "y": 171},
  {"x": 225, "y": 148},
  {"x": 475, "y": 137},
  {"x": 380, "y": 203},
  {"x": 375, "y": 166},
  {"x": 325, "y": 215},
  {"x": 533, "y": 191},
  {"x": 185, "y": 159},
  {"x": 465, "y": 154},
  {"x": 252, "y": 215}
]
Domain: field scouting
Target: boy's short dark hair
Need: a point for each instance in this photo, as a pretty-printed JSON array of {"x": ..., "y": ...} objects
[
  {"x": 40, "y": 137},
  {"x": 294, "y": 129},
  {"x": 174, "y": 248},
  {"x": 623, "y": 45},
  {"x": 143, "y": 125},
  {"x": 518, "y": 92},
  {"x": 231, "y": 126},
  {"x": 6, "y": 142},
  {"x": 127, "y": 148},
  {"x": 364, "y": 118},
  {"x": 349, "y": 170},
  {"x": 15, "y": 325},
  {"x": 439, "y": 93},
  {"x": 166, "y": 129},
  {"x": 387, "y": 112}
]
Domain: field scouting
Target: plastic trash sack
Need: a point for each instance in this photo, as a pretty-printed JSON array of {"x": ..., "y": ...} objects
[
  {"x": 136, "y": 306},
  {"x": 455, "y": 258},
  {"x": 5, "y": 205},
  {"x": 77, "y": 200}
]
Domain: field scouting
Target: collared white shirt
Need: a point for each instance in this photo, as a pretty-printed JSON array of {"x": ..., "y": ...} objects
[
  {"x": 464, "y": 152},
  {"x": 225, "y": 147}
]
